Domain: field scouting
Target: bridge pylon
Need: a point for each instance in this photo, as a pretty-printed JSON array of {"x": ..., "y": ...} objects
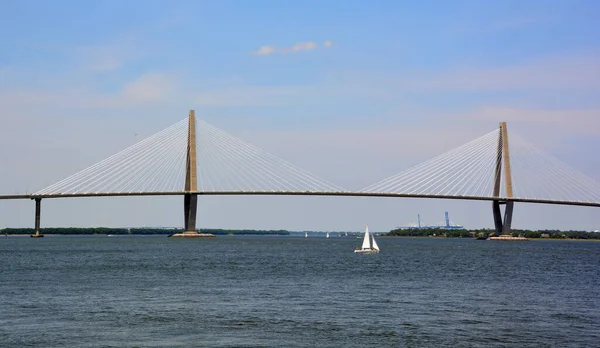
[
  {"x": 503, "y": 225},
  {"x": 190, "y": 198},
  {"x": 38, "y": 206}
]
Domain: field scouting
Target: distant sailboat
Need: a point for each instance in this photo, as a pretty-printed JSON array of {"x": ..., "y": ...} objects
[
  {"x": 368, "y": 247},
  {"x": 305, "y": 234},
  {"x": 327, "y": 236}
]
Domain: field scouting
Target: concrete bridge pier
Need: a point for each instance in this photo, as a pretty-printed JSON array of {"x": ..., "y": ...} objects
[
  {"x": 190, "y": 206},
  {"x": 503, "y": 226},
  {"x": 38, "y": 207}
]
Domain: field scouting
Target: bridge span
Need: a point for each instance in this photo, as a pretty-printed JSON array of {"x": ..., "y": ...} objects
[
  {"x": 192, "y": 159},
  {"x": 292, "y": 193}
]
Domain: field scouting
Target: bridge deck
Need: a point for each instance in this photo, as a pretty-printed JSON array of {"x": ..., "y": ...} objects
[{"x": 305, "y": 193}]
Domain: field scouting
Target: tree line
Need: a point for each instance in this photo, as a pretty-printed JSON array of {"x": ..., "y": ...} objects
[
  {"x": 484, "y": 233},
  {"x": 408, "y": 232},
  {"x": 133, "y": 231}
]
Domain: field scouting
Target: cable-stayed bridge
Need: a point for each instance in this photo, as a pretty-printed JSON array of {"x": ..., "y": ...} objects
[{"x": 192, "y": 158}]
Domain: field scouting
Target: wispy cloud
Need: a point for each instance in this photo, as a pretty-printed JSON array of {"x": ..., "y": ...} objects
[
  {"x": 570, "y": 71},
  {"x": 301, "y": 46},
  {"x": 152, "y": 87},
  {"x": 248, "y": 95},
  {"x": 106, "y": 58},
  {"x": 146, "y": 89},
  {"x": 565, "y": 121},
  {"x": 544, "y": 76},
  {"x": 265, "y": 50},
  {"x": 579, "y": 71},
  {"x": 298, "y": 47}
]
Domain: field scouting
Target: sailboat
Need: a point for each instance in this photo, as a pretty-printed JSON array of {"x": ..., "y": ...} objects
[
  {"x": 305, "y": 234},
  {"x": 327, "y": 236},
  {"x": 368, "y": 247}
]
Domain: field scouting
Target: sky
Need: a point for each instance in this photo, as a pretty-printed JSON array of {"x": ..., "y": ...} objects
[{"x": 351, "y": 91}]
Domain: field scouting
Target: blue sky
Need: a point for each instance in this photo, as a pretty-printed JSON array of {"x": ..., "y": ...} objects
[{"x": 351, "y": 91}]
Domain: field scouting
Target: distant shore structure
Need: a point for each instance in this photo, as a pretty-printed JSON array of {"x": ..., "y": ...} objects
[{"x": 444, "y": 225}]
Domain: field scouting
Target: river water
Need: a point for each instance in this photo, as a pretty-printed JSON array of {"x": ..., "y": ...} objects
[{"x": 284, "y": 291}]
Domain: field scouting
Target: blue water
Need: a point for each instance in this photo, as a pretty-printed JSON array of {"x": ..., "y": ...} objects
[{"x": 261, "y": 291}]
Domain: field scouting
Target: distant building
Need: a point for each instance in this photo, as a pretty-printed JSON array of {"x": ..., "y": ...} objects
[
  {"x": 545, "y": 235},
  {"x": 444, "y": 225}
]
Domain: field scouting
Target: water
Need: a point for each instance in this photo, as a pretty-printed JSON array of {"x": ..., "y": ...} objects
[{"x": 261, "y": 291}]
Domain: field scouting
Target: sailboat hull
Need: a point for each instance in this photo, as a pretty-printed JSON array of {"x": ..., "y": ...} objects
[{"x": 361, "y": 251}]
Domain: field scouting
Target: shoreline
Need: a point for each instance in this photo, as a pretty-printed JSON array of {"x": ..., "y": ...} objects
[
  {"x": 283, "y": 235},
  {"x": 544, "y": 239}
]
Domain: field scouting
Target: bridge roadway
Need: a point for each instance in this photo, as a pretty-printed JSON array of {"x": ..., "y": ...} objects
[{"x": 303, "y": 193}]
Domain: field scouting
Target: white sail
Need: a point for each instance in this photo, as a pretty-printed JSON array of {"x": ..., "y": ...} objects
[
  {"x": 327, "y": 234},
  {"x": 305, "y": 234},
  {"x": 375, "y": 246},
  {"x": 367, "y": 241}
]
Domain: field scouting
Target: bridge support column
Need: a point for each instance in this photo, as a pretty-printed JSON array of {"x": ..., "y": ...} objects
[
  {"x": 190, "y": 204},
  {"x": 190, "y": 199},
  {"x": 503, "y": 226},
  {"x": 508, "y": 213},
  {"x": 38, "y": 207},
  {"x": 498, "y": 224}
]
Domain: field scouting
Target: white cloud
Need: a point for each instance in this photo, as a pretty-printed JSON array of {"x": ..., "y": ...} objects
[
  {"x": 151, "y": 87},
  {"x": 265, "y": 50},
  {"x": 298, "y": 47},
  {"x": 303, "y": 46}
]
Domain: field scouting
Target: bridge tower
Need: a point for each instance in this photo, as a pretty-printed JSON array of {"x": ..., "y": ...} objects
[
  {"x": 190, "y": 200},
  {"x": 38, "y": 206},
  {"x": 190, "y": 197},
  {"x": 503, "y": 226}
]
